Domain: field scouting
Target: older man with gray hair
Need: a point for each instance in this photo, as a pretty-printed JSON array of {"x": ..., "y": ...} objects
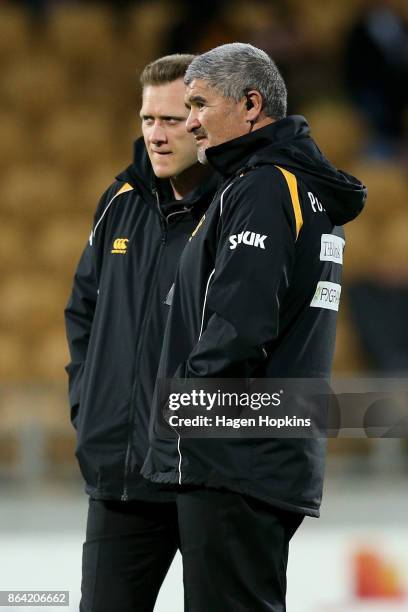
[{"x": 256, "y": 295}]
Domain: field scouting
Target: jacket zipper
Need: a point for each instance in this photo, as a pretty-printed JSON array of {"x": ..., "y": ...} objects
[
  {"x": 163, "y": 226},
  {"x": 200, "y": 334},
  {"x": 199, "y": 337},
  {"x": 163, "y": 221},
  {"x": 179, "y": 212}
]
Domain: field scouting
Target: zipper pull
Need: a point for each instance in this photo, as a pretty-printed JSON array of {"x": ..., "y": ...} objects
[{"x": 163, "y": 220}]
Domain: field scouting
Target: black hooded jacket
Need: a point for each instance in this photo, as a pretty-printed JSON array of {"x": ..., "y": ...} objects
[
  {"x": 256, "y": 296},
  {"x": 115, "y": 321}
]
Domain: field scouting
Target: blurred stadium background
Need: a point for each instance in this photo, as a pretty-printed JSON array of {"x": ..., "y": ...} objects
[{"x": 69, "y": 102}]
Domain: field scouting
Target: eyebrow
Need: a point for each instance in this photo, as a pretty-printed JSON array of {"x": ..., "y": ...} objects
[
  {"x": 196, "y": 100},
  {"x": 163, "y": 117}
]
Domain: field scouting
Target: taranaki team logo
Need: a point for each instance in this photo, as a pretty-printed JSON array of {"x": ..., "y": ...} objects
[{"x": 120, "y": 245}]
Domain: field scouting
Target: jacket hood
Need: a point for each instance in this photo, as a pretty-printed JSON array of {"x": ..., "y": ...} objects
[
  {"x": 288, "y": 143},
  {"x": 141, "y": 176},
  {"x": 140, "y": 172}
]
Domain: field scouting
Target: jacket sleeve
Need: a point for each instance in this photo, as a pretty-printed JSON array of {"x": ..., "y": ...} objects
[
  {"x": 79, "y": 314},
  {"x": 80, "y": 310},
  {"x": 253, "y": 266}
]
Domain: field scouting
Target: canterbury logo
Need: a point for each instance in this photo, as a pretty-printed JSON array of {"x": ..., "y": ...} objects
[
  {"x": 120, "y": 245},
  {"x": 250, "y": 238},
  {"x": 198, "y": 227}
]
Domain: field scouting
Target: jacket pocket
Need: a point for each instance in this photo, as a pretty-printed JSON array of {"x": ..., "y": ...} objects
[{"x": 75, "y": 371}]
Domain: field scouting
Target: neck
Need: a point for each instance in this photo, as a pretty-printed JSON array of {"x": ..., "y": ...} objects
[
  {"x": 260, "y": 123},
  {"x": 188, "y": 180}
]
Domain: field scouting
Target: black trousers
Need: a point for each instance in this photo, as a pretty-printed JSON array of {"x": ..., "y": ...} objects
[
  {"x": 235, "y": 552},
  {"x": 234, "y": 547},
  {"x": 129, "y": 548}
]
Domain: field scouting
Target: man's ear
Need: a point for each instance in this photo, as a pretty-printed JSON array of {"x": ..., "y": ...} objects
[{"x": 254, "y": 105}]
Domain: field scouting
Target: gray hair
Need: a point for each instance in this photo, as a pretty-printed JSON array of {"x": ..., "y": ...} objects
[{"x": 236, "y": 68}]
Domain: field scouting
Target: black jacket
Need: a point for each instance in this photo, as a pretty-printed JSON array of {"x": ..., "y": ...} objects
[
  {"x": 115, "y": 321},
  {"x": 248, "y": 301}
]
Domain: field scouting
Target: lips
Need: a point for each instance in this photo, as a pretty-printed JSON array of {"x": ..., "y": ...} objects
[
  {"x": 162, "y": 152},
  {"x": 199, "y": 135}
]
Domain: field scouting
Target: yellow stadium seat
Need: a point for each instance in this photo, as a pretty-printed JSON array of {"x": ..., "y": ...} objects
[
  {"x": 60, "y": 451},
  {"x": 49, "y": 354},
  {"x": 393, "y": 245},
  {"x": 255, "y": 15},
  {"x": 376, "y": 245},
  {"x": 337, "y": 130},
  {"x": 9, "y": 450},
  {"x": 359, "y": 253},
  {"x": 34, "y": 87},
  {"x": 39, "y": 404},
  {"x": 14, "y": 147},
  {"x": 78, "y": 139},
  {"x": 93, "y": 184},
  {"x": 13, "y": 359},
  {"x": 350, "y": 450},
  {"x": 31, "y": 303},
  {"x": 32, "y": 190},
  {"x": 324, "y": 22},
  {"x": 148, "y": 24},
  {"x": 349, "y": 357},
  {"x": 59, "y": 243},
  {"x": 14, "y": 33},
  {"x": 387, "y": 189},
  {"x": 14, "y": 241},
  {"x": 82, "y": 33}
]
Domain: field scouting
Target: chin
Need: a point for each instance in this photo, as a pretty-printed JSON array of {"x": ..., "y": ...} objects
[
  {"x": 162, "y": 173},
  {"x": 201, "y": 156}
]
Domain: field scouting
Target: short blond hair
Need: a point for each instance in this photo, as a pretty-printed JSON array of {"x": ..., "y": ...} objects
[{"x": 166, "y": 69}]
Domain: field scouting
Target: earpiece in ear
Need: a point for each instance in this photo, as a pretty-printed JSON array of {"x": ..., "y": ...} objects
[{"x": 249, "y": 103}]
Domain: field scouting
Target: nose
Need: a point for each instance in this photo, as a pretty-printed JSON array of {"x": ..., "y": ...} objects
[
  {"x": 193, "y": 122},
  {"x": 157, "y": 134}
]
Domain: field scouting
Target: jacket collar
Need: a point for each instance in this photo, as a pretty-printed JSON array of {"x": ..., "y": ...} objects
[
  {"x": 141, "y": 176},
  {"x": 231, "y": 156}
]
